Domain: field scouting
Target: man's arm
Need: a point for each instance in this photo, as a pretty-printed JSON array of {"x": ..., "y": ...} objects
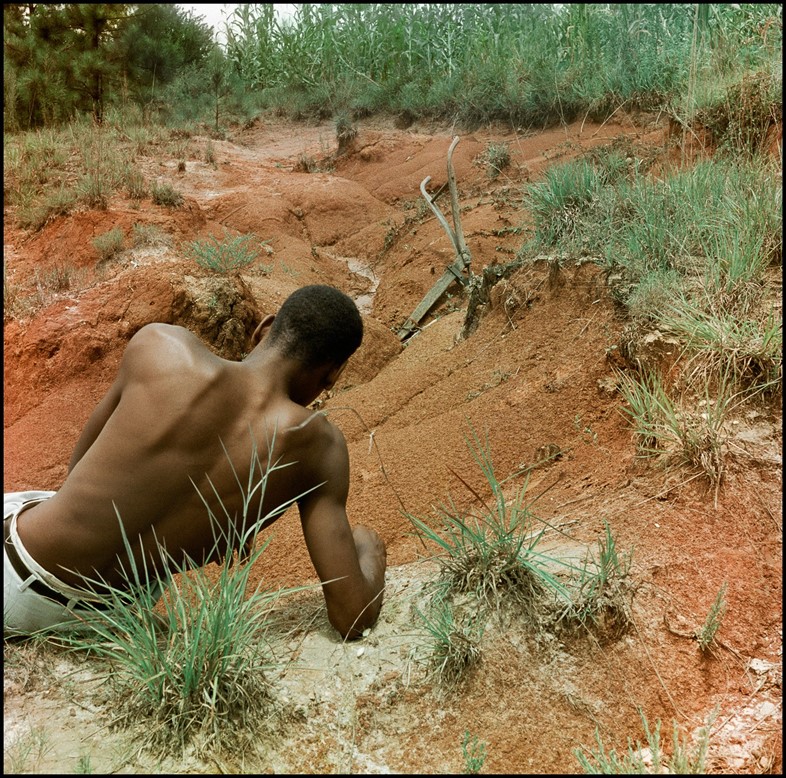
[
  {"x": 144, "y": 347},
  {"x": 98, "y": 418},
  {"x": 350, "y": 563}
]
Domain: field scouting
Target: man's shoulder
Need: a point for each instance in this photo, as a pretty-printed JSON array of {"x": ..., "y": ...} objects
[{"x": 158, "y": 346}]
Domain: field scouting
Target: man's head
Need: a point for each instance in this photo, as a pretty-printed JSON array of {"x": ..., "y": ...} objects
[{"x": 317, "y": 325}]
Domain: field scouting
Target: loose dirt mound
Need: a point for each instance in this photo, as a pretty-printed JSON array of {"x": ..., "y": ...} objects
[{"x": 536, "y": 376}]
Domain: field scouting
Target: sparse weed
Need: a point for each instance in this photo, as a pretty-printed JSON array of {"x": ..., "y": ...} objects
[
  {"x": 136, "y": 188},
  {"x": 474, "y": 753},
  {"x": 747, "y": 348},
  {"x": 675, "y": 432},
  {"x": 210, "y": 154},
  {"x": 346, "y": 132},
  {"x": 226, "y": 255},
  {"x": 83, "y": 766},
  {"x": 164, "y": 193},
  {"x": 706, "y": 634},
  {"x": 109, "y": 244},
  {"x": 56, "y": 278},
  {"x": 649, "y": 760},
  {"x": 602, "y": 591},
  {"x": 25, "y": 753},
  {"x": 307, "y": 164},
  {"x": 195, "y": 673},
  {"x": 148, "y": 235}
]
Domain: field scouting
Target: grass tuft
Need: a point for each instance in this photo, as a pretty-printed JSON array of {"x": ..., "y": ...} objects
[
  {"x": 165, "y": 194},
  {"x": 491, "y": 553},
  {"x": 601, "y": 602},
  {"x": 474, "y": 752},
  {"x": 108, "y": 244},
  {"x": 192, "y": 671},
  {"x": 454, "y": 640},
  {"x": 706, "y": 634}
]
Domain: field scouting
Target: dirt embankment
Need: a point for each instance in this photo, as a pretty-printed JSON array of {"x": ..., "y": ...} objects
[{"x": 534, "y": 377}]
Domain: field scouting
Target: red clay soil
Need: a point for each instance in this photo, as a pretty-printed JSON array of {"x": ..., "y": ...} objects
[{"x": 538, "y": 372}]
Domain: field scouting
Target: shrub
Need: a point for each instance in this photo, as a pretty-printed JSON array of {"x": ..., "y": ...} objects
[
  {"x": 165, "y": 194},
  {"x": 109, "y": 244},
  {"x": 225, "y": 255}
]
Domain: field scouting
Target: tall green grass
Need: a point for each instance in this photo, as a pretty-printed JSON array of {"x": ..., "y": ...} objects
[
  {"x": 519, "y": 63},
  {"x": 690, "y": 253}
]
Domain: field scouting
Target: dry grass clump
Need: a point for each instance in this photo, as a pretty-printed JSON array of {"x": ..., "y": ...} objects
[{"x": 491, "y": 552}]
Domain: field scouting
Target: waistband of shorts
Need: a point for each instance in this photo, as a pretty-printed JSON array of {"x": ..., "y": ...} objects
[{"x": 39, "y": 572}]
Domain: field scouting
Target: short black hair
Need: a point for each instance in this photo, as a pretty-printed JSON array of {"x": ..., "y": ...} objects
[{"x": 317, "y": 325}]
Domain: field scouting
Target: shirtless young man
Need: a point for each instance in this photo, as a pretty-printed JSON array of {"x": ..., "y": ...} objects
[{"x": 178, "y": 414}]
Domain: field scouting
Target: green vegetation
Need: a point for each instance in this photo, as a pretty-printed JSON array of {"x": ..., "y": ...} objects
[
  {"x": 691, "y": 253},
  {"x": 474, "y": 753},
  {"x": 684, "y": 760},
  {"x": 706, "y": 634},
  {"x": 454, "y": 637},
  {"x": 163, "y": 193},
  {"x": 24, "y": 753},
  {"x": 108, "y": 244},
  {"x": 491, "y": 563},
  {"x": 491, "y": 553},
  {"x": 224, "y": 256},
  {"x": 601, "y": 592},
  {"x": 497, "y": 158},
  {"x": 523, "y": 64}
]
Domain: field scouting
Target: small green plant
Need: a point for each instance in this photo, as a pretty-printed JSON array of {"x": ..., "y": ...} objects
[
  {"x": 679, "y": 434},
  {"x": 454, "y": 647},
  {"x": 57, "y": 202},
  {"x": 108, "y": 244},
  {"x": 706, "y": 634},
  {"x": 136, "y": 188},
  {"x": 589, "y": 435},
  {"x": 148, "y": 235},
  {"x": 497, "y": 157},
  {"x": 83, "y": 766},
  {"x": 474, "y": 753},
  {"x": 223, "y": 256},
  {"x": 210, "y": 154},
  {"x": 165, "y": 194},
  {"x": 25, "y": 753},
  {"x": 56, "y": 278},
  {"x": 346, "y": 132},
  {"x": 684, "y": 760}
]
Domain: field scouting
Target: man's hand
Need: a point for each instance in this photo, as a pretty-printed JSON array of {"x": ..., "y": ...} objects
[{"x": 372, "y": 556}]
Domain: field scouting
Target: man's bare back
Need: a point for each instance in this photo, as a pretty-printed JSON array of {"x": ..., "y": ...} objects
[{"x": 180, "y": 427}]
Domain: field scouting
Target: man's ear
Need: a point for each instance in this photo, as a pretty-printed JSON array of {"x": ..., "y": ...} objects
[{"x": 262, "y": 329}]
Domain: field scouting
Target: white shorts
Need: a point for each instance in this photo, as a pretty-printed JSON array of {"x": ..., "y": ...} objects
[{"x": 24, "y": 610}]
